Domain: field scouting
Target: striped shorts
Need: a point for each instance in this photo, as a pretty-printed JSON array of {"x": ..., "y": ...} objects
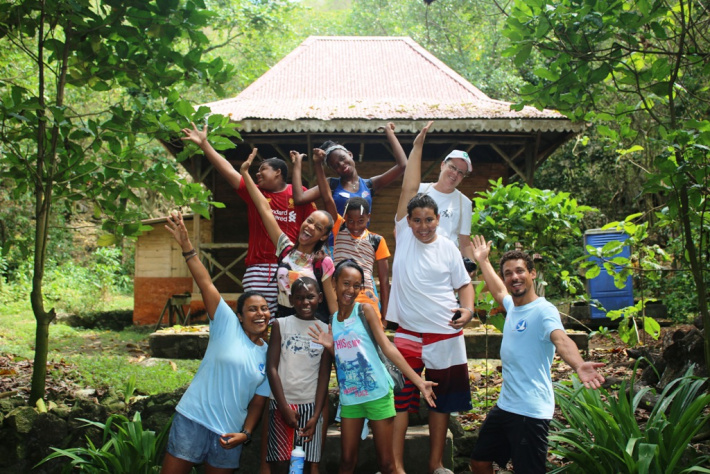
[
  {"x": 445, "y": 360},
  {"x": 282, "y": 438},
  {"x": 260, "y": 278}
]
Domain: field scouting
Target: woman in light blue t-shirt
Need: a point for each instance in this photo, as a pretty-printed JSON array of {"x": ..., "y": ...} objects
[{"x": 213, "y": 420}]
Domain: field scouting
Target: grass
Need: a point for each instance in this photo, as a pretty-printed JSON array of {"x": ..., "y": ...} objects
[{"x": 98, "y": 358}]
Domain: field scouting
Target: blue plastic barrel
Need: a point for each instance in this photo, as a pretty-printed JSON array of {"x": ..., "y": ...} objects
[{"x": 602, "y": 287}]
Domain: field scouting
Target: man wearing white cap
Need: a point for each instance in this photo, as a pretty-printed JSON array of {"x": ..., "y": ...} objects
[{"x": 455, "y": 209}]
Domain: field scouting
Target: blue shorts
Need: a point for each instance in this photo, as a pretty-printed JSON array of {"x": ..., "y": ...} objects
[{"x": 193, "y": 442}]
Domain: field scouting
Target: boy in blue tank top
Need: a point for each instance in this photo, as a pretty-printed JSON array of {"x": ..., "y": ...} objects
[{"x": 517, "y": 427}]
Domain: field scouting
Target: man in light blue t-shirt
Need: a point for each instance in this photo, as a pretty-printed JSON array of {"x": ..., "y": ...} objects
[{"x": 517, "y": 427}]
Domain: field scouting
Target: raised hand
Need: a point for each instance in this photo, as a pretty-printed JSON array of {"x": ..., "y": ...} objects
[
  {"x": 318, "y": 155},
  {"x": 177, "y": 228},
  {"x": 321, "y": 337},
  {"x": 296, "y": 156},
  {"x": 481, "y": 248},
  {"x": 244, "y": 169},
  {"x": 198, "y": 137},
  {"x": 419, "y": 140}
]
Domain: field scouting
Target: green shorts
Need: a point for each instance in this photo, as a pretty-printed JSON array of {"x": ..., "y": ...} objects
[{"x": 379, "y": 409}]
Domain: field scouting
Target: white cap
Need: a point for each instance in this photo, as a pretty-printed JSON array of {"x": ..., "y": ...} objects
[{"x": 462, "y": 155}]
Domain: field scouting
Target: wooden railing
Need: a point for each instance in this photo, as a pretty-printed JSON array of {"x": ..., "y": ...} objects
[{"x": 208, "y": 258}]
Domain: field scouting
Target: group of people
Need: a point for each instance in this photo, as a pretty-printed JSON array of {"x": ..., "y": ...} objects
[{"x": 324, "y": 306}]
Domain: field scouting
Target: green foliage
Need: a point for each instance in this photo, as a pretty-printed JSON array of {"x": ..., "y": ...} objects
[
  {"x": 543, "y": 221},
  {"x": 600, "y": 432},
  {"x": 127, "y": 448},
  {"x": 636, "y": 71}
]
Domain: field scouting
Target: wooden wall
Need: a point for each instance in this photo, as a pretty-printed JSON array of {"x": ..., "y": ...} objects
[{"x": 161, "y": 271}]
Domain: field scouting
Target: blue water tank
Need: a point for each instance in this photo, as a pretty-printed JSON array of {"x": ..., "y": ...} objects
[{"x": 602, "y": 287}]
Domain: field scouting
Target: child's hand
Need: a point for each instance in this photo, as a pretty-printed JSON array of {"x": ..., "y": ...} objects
[
  {"x": 296, "y": 157},
  {"x": 244, "y": 169},
  {"x": 309, "y": 430},
  {"x": 323, "y": 338},
  {"x": 176, "y": 226},
  {"x": 318, "y": 155},
  {"x": 427, "y": 389},
  {"x": 289, "y": 415},
  {"x": 198, "y": 137},
  {"x": 389, "y": 128},
  {"x": 419, "y": 140}
]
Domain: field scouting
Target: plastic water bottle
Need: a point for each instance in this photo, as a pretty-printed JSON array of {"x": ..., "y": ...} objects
[{"x": 298, "y": 458}]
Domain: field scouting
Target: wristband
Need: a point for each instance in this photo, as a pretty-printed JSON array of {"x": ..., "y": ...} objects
[
  {"x": 469, "y": 310},
  {"x": 185, "y": 254},
  {"x": 248, "y": 435}
]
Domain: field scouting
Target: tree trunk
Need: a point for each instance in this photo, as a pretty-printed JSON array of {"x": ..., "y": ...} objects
[{"x": 696, "y": 268}]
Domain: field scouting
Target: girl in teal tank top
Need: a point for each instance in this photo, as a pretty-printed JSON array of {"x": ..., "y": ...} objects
[{"x": 365, "y": 385}]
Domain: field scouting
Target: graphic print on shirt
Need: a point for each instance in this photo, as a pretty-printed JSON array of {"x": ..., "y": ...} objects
[
  {"x": 262, "y": 369},
  {"x": 521, "y": 326},
  {"x": 355, "y": 373},
  {"x": 301, "y": 344}
]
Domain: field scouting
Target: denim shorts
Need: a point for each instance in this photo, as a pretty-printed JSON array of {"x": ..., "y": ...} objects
[{"x": 194, "y": 443}]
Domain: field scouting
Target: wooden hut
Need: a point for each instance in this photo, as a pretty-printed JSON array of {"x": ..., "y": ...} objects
[{"x": 346, "y": 89}]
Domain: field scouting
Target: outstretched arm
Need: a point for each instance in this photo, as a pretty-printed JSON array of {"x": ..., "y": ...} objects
[
  {"x": 223, "y": 167},
  {"x": 260, "y": 202},
  {"x": 323, "y": 186},
  {"x": 425, "y": 387},
  {"x": 413, "y": 174},
  {"x": 210, "y": 295},
  {"x": 569, "y": 352},
  {"x": 400, "y": 159},
  {"x": 481, "y": 250}
]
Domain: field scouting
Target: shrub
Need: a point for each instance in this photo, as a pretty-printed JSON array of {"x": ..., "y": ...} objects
[
  {"x": 602, "y": 434},
  {"x": 127, "y": 448}
]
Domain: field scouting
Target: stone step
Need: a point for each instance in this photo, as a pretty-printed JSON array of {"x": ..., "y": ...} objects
[{"x": 416, "y": 459}]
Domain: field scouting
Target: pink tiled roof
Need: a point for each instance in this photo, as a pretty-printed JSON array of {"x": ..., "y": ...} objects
[{"x": 349, "y": 80}]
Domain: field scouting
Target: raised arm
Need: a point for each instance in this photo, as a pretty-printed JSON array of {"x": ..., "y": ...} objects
[
  {"x": 400, "y": 159},
  {"x": 223, "y": 167},
  {"x": 569, "y": 352},
  {"x": 210, "y": 295},
  {"x": 260, "y": 202},
  {"x": 299, "y": 195},
  {"x": 481, "y": 250},
  {"x": 323, "y": 186},
  {"x": 413, "y": 174}
]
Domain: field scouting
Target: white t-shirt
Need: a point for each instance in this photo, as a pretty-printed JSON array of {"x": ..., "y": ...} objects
[
  {"x": 455, "y": 211},
  {"x": 424, "y": 277},
  {"x": 300, "y": 359},
  {"x": 527, "y": 353}
]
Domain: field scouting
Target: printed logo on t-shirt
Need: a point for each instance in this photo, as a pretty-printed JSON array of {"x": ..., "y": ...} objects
[
  {"x": 521, "y": 326},
  {"x": 262, "y": 369},
  {"x": 292, "y": 216},
  {"x": 446, "y": 213},
  {"x": 365, "y": 194},
  {"x": 291, "y": 205}
]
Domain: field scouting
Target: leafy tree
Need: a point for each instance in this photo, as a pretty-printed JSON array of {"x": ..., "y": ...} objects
[
  {"x": 639, "y": 72},
  {"x": 86, "y": 78},
  {"x": 547, "y": 223}
]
